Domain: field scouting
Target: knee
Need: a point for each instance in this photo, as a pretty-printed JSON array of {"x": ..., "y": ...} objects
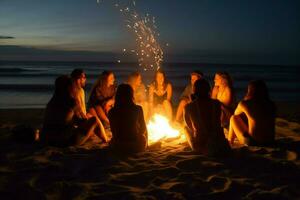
[{"x": 233, "y": 119}]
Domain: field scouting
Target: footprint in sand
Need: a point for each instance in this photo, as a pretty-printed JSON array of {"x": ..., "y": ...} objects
[{"x": 219, "y": 184}]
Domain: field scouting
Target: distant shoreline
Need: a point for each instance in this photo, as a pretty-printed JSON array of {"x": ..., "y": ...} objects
[{"x": 70, "y": 62}]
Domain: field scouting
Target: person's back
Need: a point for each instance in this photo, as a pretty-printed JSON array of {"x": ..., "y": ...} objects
[
  {"x": 59, "y": 127},
  {"x": 261, "y": 119},
  {"x": 203, "y": 113},
  {"x": 127, "y": 122},
  {"x": 203, "y": 124},
  {"x": 253, "y": 122},
  {"x": 59, "y": 112}
]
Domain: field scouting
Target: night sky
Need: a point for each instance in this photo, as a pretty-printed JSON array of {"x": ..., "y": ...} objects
[{"x": 256, "y": 31}]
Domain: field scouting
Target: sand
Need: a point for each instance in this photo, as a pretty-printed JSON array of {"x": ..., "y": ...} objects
[{"x": 172, "y": 172}]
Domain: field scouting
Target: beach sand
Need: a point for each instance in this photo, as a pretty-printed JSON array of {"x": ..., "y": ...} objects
[{"x": 172, "y": 172}]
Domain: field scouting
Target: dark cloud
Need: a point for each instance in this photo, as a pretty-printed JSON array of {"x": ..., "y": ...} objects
[
  {"x": 2, "y": 37},
  {"x": 14, "y": 52}
]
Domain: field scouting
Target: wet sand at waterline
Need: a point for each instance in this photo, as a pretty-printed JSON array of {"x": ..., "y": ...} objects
[{"x": 168, "y": 172}]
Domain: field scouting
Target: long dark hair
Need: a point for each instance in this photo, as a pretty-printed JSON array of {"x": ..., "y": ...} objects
[
  {"x": 101, "y": 83},
  {"x": 124, "y": 95},
  {"x": 227, "y": 77},
  {"x": 201, "y": 89},
  {"x": 257, "y": 89},
  {"x": 165, "y": 78},
  {"x": 64, "y": 91}
]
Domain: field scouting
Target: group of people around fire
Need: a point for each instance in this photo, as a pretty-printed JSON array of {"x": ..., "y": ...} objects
[{"x": 205, "y": 112}]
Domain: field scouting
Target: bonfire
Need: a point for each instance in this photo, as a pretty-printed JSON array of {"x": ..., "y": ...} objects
[{"x": 160, "y": 130}]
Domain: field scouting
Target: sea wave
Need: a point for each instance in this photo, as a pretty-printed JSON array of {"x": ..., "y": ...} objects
[{"x": 20, "y": 69}]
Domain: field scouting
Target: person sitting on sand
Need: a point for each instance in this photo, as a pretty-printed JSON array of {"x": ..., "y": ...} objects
[
  {"x": 253, "y": 121},
  {"x": 160, "y": 95},
  {"x": 129, "y": 133},
  {"x": 79, "y": 81},
  {"x": 101, "y": 99},
  {"x": 223, "y": 91},
  {"x": 202, "y": 122},
  {"x": 139, "y": 91},
  {"x": 185, "y": 97},
  {"x": 58, "y": 127}
]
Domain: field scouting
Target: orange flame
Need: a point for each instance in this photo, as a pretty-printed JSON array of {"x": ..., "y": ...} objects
[{"x": 159, "y": 129}]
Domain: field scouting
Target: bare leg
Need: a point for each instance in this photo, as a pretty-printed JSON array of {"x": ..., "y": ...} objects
[
  {"x": 168, "y": 109},
  {"x": 85, "y": 131},
  {"x": 98, "y": 111},
  {"x": 238, "y": 128},
  {"x": 189, "y": 137},
  {"x": 99, "y": 130},
  {"x": 180, "y": 108}
]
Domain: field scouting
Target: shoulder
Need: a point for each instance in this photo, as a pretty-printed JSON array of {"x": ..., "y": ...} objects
[
  {"x": 215, "y": 89},
  {"x": 216, "y": 102},
  {"x": 139, "y": 108},
  {"x": 169, "y": 86}
]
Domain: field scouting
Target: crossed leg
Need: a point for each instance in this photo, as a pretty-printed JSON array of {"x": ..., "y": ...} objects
[{"x": 238, "y": 128}]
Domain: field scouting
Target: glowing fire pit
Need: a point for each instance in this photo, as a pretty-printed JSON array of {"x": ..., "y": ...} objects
[{"x": 159, "y": 129}]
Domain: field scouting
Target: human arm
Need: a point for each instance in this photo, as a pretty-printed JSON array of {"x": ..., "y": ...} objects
[
  {"x": 227, "y": 99},
  {"x": 79, "y": 110},
  {"x": 169, "y": 92},
  {"x": 240, "y": 108},
  {"x": 214, "y": 92}
]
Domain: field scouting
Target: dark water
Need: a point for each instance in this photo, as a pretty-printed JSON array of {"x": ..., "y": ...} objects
[{"x": 30, "y": 84}]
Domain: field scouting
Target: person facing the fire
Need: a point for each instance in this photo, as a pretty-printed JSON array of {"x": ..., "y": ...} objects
[
  {"x": 160, "y": 95},
  {"x": 127, "y": 123},
  {"x": 203, "y": 123}
]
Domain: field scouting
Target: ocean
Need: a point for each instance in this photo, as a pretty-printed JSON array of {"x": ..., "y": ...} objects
[{"x": 31, "y": 84}]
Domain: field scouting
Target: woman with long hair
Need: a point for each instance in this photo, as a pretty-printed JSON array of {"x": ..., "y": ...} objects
[
  {"x": 253, "y": 121},
  {"x": 60, "y": 127},
  {"x": 129, "y": 133},
  {"x": 101, "y": 98},
  {"x": 160, "y": 94},
  {"x": 139, "y": 91},
  {"x": 223, "y": 91}
]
